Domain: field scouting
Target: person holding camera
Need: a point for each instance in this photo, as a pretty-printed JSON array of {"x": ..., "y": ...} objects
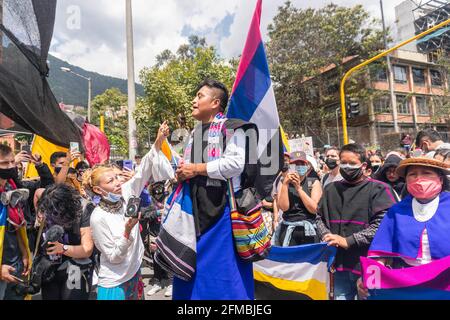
[
  {"x": 114, "y": 223},
  {"x": 63, "y": 265},
  {"x": 298, "y": 198},
  {"x": 16, "y": 217}
]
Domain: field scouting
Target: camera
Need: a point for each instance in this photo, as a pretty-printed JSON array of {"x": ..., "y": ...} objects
[
  {"x": 133, "y": 207},
  {"x": 13, "y": 197},
  {"x": 23, "y": 289},
  {"x": 151, "y": 212},
  {"x": 43, "y": 271},
  {"x": 44, "y": 266}
]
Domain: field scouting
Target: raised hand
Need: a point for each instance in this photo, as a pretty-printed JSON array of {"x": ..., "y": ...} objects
[
  {"x": 163, "y": 133},
  {"x": 22, "y": 156}
]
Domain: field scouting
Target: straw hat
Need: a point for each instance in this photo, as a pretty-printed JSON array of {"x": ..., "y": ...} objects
[{"x": 424, "y": 162}]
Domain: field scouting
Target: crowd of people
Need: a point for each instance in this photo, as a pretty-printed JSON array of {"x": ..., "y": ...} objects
[{"x": 71, "y": 231}]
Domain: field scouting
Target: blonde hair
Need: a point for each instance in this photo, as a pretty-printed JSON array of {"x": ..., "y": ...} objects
[{"x": 91, "y": 177}]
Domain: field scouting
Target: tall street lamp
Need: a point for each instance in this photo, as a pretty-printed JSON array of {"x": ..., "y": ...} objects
[
  {"x": 132, "y": 140},
  {"x": 390, "y": 74},
  {"x": 89, "y": 89}
]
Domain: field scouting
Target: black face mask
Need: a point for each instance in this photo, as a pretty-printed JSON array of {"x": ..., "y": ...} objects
[
  {"x": 331, "y": 163},
  {"x": 351, "y": 174},
  {"x": 375, "y": 168},
  {"x": 7, "y": 174},
  {"x": 285, "y": 168}
]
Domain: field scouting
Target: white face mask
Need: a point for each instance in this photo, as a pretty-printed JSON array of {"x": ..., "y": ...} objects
[{"x": 349, "y": 166}]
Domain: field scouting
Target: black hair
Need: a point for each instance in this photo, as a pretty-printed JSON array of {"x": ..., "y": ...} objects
[
  {"x": 431, "y": 134},
  {"x": 369, "y": 164},
  {"x": 213, "y": 84},
  {"x": 61, "y": 205},
  {"x": 82, "y": 165},
  {"x": 5, "y": 150},
  {"x": 56, "y": 155},
  {"x": 445, "y": 153},
  {"x": 357, "y": 149},
  {"x": 377, "y": 155},
  {"x": 118, "y": 164}
]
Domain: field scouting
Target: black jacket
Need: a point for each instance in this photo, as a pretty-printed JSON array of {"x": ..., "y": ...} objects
[
  {"x": 391, "y": 161},
  {"x": 46, "y": 179}
]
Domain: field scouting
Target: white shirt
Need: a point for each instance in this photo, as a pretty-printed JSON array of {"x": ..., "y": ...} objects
[
  {"x": 121, "y": 258},
  {"x": 332, "y": 178},
  {"x": 423, "y": 212},
  {"x": 232, "y": 162},
  {"x": 431, "y": 154}
]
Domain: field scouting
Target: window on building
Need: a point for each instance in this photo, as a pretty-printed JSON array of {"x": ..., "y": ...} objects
[
  {"x": 418, "y": 76},
  {"x": 436, "y": 78},
  {"x": 422, "y": 106},
  {"x": 382, "y": 105},
  {"x": 313, "y": 93},
  {"x": 400, "y": 74},
  {"x": 403, "y": 105},
  {"x": 379, "y": 73}
]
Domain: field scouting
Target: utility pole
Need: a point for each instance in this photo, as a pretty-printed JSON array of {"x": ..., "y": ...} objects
[
  {"x": 1, "y": 33},
  {"x": 132, "y": 141},
  {"x": 337, "y": 127},
  {"x": 390, "y": 75}
]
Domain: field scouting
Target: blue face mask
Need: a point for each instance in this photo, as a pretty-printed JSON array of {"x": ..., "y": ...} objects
[
  {"x": 302, "y": 170},
  {"x": 112, "y": 197}
]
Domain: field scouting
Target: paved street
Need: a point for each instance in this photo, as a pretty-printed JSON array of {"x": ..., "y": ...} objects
[{"x": 147, "y": 274}]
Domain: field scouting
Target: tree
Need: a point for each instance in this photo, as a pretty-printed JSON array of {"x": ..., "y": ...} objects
[
  {"x": 113, "y": 105},
  {"x": 302, "y": 42},
  {"x": 171, "y": 85},
  {"x": 441, "y": 103}
]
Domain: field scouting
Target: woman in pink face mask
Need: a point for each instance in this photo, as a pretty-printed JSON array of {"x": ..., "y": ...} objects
[{"x": 415, "y": 231}]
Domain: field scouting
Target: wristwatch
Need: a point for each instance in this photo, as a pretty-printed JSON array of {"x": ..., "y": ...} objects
[{"x": 65, "y": 248}]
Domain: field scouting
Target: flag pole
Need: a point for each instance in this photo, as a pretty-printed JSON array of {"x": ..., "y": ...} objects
[{"x": 1, "y": 33}]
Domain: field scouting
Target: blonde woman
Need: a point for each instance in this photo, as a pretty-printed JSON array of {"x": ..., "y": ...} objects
[{"x": 117, "y": 237}]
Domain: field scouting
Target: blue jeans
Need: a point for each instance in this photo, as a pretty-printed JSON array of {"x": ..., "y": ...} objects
[{"x": 345, "y": 285}]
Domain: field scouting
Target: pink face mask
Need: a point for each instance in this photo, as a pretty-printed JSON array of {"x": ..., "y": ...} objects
[{"x": 424, "y": 188}]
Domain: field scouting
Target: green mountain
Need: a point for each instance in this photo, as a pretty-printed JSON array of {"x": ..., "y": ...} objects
[{"x": 73, "y": 90}]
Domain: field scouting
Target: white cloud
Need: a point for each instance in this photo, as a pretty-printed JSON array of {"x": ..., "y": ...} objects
[{"x": 158, "y": 24}]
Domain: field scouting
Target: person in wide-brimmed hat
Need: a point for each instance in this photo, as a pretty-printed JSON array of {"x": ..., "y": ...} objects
[
  {"x": 439, "y": 166},
  {"x": 414, "y": 232}
]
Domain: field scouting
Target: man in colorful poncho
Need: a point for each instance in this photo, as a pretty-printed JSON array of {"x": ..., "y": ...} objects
[{"x": 217, "y": 151}]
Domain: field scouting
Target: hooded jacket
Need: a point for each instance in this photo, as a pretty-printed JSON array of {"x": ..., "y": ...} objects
[{"x": 393, "y": 161}]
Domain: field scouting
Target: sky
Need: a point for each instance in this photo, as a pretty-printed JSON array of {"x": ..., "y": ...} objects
[{"x": 91, "y": 33}]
